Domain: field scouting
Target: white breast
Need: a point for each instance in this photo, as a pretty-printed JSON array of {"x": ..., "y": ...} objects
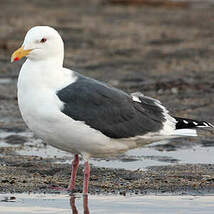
[{"x": 40, "y": 109}]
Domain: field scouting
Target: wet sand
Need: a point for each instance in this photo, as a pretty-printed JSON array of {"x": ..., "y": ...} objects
[{"x": 166, "y": 53}]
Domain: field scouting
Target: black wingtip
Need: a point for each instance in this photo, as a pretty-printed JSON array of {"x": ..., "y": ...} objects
[{"x": 183, "y": 123}]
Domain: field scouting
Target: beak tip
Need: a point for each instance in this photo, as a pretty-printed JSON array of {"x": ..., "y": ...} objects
[
  {"x": 20, "y": 53},
  {"x": 14, "y": 59}
]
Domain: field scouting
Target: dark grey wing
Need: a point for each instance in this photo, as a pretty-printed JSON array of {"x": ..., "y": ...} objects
[{"x": 109, "y": 110}]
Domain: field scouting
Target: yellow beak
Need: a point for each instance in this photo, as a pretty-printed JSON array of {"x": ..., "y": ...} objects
[{"x": 20, "y": 53}]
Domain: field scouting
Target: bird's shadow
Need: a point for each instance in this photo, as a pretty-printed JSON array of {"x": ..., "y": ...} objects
[{"x": 73, "y": 205}]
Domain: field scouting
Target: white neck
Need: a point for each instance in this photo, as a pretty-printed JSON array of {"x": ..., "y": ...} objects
[{"x": 43, "y": 73}]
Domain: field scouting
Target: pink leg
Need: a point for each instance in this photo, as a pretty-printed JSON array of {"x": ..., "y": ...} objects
[
  {"x": 75, "y": 164},
  {"x": 86, "y": 178}
]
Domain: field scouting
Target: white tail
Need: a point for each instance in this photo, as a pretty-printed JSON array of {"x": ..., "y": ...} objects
[{"x": 185, "y": 132}]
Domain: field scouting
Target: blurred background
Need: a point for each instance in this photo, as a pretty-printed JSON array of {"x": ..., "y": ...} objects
[{"x": 163, "y": 48}]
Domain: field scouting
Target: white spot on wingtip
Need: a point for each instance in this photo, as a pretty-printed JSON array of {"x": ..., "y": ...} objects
[
  {"x": 195, "y": 123},
  {"x": 136, "y": 99},
  {"x": 211, "y": 125},
  {"x": 206, "y": 124},
  {"x": 185, "y": 121}
]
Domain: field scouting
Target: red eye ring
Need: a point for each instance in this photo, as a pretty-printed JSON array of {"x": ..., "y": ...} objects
[{"x": 43, "y": 40}]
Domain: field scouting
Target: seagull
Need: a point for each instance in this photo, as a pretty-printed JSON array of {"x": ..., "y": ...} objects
[{"x": 82, "y": 115}]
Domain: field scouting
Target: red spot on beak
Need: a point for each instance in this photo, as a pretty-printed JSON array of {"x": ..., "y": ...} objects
[{"x": 16, "y": 59}]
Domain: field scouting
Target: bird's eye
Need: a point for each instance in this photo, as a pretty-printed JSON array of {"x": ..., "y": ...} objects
[{"x": 43, "y": 40}]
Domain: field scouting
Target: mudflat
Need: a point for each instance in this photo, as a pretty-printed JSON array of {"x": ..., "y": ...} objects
[{"x": 164, "y": 52}]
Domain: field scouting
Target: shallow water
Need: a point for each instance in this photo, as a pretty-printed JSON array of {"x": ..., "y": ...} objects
[
  {"x": 150, "y": 155},
  {"x": 63, "y": 204},
  {"x": 5, "y": 80}
]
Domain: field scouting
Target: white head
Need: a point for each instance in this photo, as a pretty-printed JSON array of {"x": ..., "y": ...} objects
[{"x": 40, "y": 43}]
